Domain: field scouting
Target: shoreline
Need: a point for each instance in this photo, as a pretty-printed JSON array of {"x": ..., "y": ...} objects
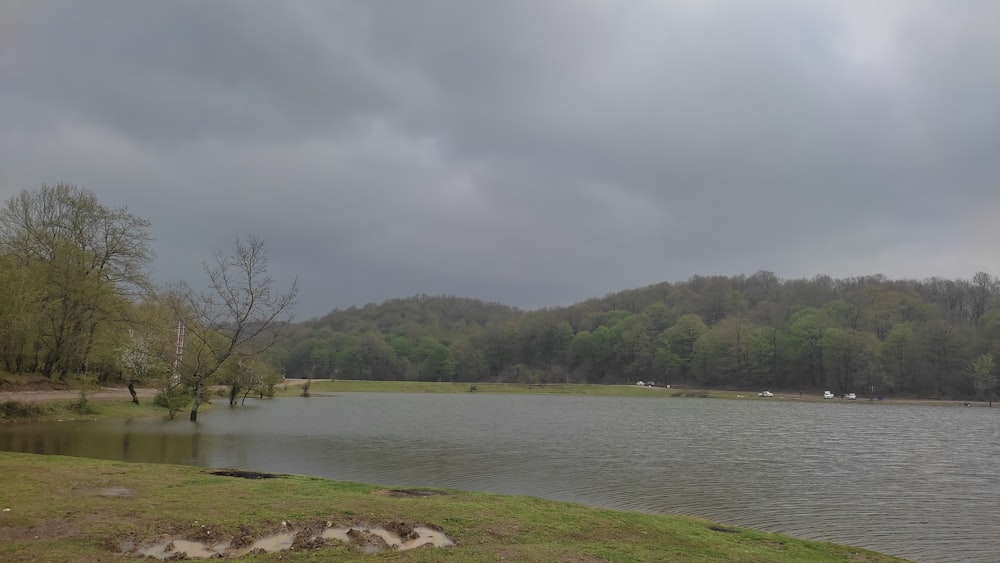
[
  {"x": 80, "y": 509},
  {"x": 292, "y": 386}
]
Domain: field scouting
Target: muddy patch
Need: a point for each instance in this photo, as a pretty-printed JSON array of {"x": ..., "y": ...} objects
[
  {"x": 409, "y": 493},
  {"x": 367, "y": 538},
  {"x": 723, "y": 530},
  {"x": 242, "y": 474},
  {"x": 106, "y": 492}
]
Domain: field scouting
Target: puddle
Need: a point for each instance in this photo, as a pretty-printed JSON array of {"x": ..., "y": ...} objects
[
  {"x": 271, "y": 544},
  {"x": 411, "y": 493},
  {"x": 420, "y": 536},
  {"x": 107, "y": 492},
  {"x": 172, "y": 548},
  {"x": 115, "y": 492},
  {"x": 397, "y": 536},
  {"x": 242, "y": 474}
]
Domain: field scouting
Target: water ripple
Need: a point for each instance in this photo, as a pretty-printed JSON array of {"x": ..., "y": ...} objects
[{"x": 917, "y": 482}]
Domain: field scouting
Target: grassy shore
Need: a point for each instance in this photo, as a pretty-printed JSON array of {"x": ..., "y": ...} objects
[
  {"x": 294, "y": 387},
  {"x": 65, "y": 405},
  {"x": 75, "y": 509},
  {"x": 63, "y": 410},
  {"x": 351, "y": 385}
]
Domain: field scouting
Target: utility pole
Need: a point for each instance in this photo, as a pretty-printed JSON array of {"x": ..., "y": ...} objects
[{"x": 178, "y": 351}]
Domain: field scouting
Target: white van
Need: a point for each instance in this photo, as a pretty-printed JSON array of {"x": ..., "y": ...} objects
[{"x": 827, "y": 395}]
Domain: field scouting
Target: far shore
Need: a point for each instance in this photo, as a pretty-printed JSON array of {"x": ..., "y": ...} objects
[{"x": 293, "y": 386}]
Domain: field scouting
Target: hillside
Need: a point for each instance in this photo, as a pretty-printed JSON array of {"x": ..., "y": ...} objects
[{"x": 871, "y": 335}]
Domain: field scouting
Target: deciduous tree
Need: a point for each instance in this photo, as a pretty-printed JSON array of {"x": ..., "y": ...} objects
[
  {"x": 88, "y": 257},
  {"x": 240, "y": 315}
]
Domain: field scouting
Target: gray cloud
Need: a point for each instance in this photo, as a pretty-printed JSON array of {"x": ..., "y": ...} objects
[{"x": 535, "y": 153}]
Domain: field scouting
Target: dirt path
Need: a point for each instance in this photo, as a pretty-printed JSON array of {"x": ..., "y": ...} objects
[{"x": 68, "y": 394}]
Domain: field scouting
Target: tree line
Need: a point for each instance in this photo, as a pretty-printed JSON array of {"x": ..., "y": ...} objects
[
  {"x": 870, "y": 335},
  {"x": 76, "y": 300}
]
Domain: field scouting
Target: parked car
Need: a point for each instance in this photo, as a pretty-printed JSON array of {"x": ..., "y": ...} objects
[
  {"x": 850, "y": 396},
  {"x": 827, "y": 395},
  {"x": 765, "y": 394}
]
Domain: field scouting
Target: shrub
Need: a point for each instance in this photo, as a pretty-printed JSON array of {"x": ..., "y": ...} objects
[
  {"x": 16, "y": 410},
  {"x": 174, "y": 399}
]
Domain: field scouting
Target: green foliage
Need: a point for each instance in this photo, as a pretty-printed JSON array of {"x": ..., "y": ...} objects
[
  {"x": 174, "y": 399},
  {"x": 18, "y": 411},
  {"x": 982, "y": 371},
  {"x": 83, "y": 261},
  {"x": 858, "y": 334}
]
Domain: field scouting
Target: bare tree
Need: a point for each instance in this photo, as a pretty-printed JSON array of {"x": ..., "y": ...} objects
[{"x": 239, "y": 316}]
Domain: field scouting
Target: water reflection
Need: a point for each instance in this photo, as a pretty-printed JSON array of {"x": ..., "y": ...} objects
[
  {"x": 122, "y": 442},
  {"x": 918, "y": 482}
]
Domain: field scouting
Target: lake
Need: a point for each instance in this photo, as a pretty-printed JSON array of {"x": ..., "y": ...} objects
[{"x": 919, "y": 482}]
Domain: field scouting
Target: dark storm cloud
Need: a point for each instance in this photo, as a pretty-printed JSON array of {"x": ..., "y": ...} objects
[{"x": 535, "y": 153}]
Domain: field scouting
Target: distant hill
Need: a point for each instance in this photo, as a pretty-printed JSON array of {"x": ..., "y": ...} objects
[
  {"x": 441, "y": 311},
  {"x": 934, "y": 338}
]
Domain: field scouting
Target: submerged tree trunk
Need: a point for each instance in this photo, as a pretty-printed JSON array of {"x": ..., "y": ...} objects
[{"x": 197, "y": 401}]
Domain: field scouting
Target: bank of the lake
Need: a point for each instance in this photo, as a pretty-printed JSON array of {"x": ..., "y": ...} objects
[
  {"x": 837, "y": 471},
  {"x": 294, "y": 387},
  {"x": 77, "y": 509}
]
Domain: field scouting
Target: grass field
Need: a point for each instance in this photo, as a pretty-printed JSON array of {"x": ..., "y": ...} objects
[
  {"x": 74, "y": 509},
  {"x": 350, "y": 385}
]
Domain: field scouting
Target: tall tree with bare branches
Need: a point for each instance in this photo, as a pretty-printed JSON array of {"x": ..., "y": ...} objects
[{"x": 240, "y": 315}]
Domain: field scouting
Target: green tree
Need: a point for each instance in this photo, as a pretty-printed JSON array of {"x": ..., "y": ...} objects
[
  {"x": 805, "y": 351},
  {"x": 470, "y": 363},
  {"x": 851, "y": 356},
  {"x": 635, "y": 350},
  {"x": 89, "y": 256},
  {"x": 982, "y": 371},
  {"x": 438, "y": 363},
  {"x": 677, "y": 345},
  {"x": 248, "y": 374},
  {"x": 899, "y": 357},
  {"x": 942, "y": 359},
  {"x": 725, "y": 353},
  {"x": 19, "y": 292},
  {"x": 583, "y": 357}
]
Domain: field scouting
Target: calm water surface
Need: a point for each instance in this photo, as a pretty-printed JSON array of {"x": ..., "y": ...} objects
[{"x": 920, "y": 482}]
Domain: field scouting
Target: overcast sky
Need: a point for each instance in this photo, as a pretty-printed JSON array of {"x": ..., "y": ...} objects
[{"x": 531, "y": 152}]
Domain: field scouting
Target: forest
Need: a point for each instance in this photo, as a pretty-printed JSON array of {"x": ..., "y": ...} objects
[
  {"x": 75, "y": 300},
  {"x": 870, "y": 335}
]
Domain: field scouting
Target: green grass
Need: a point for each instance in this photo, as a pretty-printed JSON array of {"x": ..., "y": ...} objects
[
  {"x": 68, "y": 410},
  {"x": 58, "y": 512},
  {"x": 369, "y": 386},
  {"x": 347, "y": 385}
]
